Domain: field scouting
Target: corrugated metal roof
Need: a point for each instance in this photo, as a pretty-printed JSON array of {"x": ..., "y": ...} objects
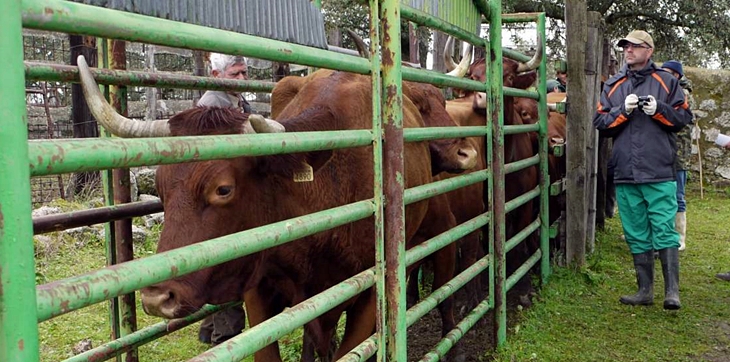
[
  {"x": 294, "y": 21},
  {"x": 462, "y": 13}
]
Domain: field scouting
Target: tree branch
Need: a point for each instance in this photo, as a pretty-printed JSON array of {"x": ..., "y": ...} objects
[
  {"x": 612, "y": 18},
  {"x": 555, "y": 11}
]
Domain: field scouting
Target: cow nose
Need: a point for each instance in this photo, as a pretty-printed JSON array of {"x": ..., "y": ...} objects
[
  {"x": 159, "y": 302},
  {"x": 467, "y": 157},
  {"x": 481, "y": 100}
]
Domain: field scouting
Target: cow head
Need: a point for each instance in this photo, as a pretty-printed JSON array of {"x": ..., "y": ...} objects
[
  {"x": 447, "y": 155},
  {"x": 514, "y": 74}
]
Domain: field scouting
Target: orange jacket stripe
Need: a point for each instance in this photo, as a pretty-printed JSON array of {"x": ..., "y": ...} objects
[
  {"x": 615, "y": 86},
  {"x": 659, "y": 78},
  {"x": 659, "y": 117},
  {"x": 619, "y": 120}
]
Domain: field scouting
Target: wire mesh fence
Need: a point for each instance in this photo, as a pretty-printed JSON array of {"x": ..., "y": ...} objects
[{"x": 49, "y": 103}]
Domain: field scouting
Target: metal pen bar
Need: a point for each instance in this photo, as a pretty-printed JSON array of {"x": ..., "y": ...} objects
[
  {"x": 522, "y": 235},
  {"x": 64, "y": 296},
  {"x": 521, "y": 271},
  {"x": 516, "y": 129},
  {"x": 435, "y": 133},
  {"x": 69, "y": 73},
  {"x": 426, "y": 191},
  {"x": 18, "y": 328},
  {"x": 521, "y": 164},
  {"x": 72, "y": 219},
  {"x": 522, "y": 199},
  {"x": 145, "y": 335},
  {"x": 66, "y": 156},
  {"x": 258, "y": 337}
]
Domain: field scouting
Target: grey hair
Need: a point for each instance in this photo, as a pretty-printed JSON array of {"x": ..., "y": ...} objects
[{"x": 220, "y": 62}]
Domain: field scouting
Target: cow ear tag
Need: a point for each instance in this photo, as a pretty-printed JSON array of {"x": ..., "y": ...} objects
[{"x": 304, "y": 174}]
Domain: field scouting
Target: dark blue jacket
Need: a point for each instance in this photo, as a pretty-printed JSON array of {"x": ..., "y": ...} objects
[{"x": 644, "y": 147}]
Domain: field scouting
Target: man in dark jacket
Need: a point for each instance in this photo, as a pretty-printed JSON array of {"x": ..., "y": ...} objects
[{"x": 642, "y": 108}]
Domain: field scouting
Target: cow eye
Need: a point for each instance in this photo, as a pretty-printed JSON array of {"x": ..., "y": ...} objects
[{"x": 223, "y": 190}]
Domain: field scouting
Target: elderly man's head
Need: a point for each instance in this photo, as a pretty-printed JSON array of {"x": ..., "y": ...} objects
[{"x": 228, "y": 66}]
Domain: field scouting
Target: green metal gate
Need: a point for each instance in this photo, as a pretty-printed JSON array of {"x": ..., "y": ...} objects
[{"x": 21, "y": 159}]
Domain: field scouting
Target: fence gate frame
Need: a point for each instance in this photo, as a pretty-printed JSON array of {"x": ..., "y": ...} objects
[{"x": 21, "y": 159}]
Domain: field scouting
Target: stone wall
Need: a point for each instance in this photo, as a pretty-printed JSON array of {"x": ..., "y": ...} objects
[{"x": 711, "y": 93}]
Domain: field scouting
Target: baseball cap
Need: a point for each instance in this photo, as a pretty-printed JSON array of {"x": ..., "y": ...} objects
[
  {"x": 637, "y": 37},
  {"x": 675, "y": 66}
]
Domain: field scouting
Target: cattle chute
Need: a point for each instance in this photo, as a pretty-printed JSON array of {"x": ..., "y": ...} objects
[{"x": 20, "y": 343}]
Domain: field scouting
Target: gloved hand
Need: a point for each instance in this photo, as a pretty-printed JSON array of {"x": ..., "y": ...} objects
[
  {"x": 631, "y": 102},
  {"x": 650, "y": 107}
]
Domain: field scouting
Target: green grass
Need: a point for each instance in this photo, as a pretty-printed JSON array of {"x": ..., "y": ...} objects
[{"x": 577, "y": 316}]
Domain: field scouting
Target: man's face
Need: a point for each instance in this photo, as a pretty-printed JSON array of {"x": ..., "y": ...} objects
[
  {"x": 563, "y": 78},
  {"x": 236, "y": 71},
  {"x": 637, "y": 55}
]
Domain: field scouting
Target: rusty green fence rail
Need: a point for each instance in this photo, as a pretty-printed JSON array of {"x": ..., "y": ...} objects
[{"x": 34, "y": 158}]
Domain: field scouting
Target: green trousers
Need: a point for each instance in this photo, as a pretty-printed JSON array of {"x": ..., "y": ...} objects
[{"x": 647, "y": 214}]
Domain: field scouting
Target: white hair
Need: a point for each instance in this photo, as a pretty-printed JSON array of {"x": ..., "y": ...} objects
[{"x": 220, "y": 62}]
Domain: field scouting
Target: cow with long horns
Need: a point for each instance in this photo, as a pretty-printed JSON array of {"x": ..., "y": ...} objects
[{"x": 209, "y": 199}]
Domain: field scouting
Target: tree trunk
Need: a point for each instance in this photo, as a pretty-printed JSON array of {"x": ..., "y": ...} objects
[
  {"x": 84, "y": 125},
  {"x": 576, "y": 206}
]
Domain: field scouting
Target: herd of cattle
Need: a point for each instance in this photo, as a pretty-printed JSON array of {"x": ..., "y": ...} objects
[{"x": 205, "y": 200}]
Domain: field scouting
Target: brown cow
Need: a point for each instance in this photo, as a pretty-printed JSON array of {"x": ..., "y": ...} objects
[
  {"x": 209, "y": 199},
  {"x": 556, "y": 131},
  {"x": 432, "y": 106},
  {"x": 470, "y": 111}
]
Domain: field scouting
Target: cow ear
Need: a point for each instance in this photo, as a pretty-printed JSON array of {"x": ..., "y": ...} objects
[
  {"x": 524, "y": 80},
  {"x": 300, "y": 167}
]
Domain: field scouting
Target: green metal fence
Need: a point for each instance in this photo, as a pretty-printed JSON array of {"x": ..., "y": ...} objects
[{"x": 21, "y": 159}]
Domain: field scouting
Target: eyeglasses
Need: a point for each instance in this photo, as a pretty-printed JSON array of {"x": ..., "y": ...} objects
[{"x": 631, "y": 45}]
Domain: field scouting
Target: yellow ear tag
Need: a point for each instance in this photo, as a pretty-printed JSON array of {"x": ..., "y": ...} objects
[{"x": 304, "y": 174}]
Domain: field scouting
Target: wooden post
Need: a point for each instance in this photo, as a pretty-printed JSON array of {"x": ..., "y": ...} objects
[
  {"x": 200, "y": 60},
  {"x": 84, "y": 125},
  {"x": 594, "y": 60},
  {"x": 413, "y": 47},
  {"x": 149, "y": 59},
  {"x": 578, "y": 115},
  {"x": 334, "y": 37},
  {"x": 123, "y": 195}
]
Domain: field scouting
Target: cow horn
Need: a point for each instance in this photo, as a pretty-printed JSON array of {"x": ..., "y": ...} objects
[
  {"x": 463, "y": 67},
  {"x": 448, "y": 54},
  {"x": 108, "y": 116},
  {"x": 362, "y": 48},
  {"x": 533, "y": 63},
  {"x": 263, "y": 125}
]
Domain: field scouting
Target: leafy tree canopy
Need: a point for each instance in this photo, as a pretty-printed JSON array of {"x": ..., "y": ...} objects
[{"x": 692, "y": 31}]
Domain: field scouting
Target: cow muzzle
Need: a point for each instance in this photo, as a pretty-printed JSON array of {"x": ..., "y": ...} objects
[
  {"x": 160, "y": 302},
  {"x": 467, "y": 157},
  {"x": 480, "y": 100}
]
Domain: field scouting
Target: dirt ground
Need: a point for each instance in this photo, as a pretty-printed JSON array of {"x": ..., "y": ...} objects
[{"x": 476, "y": 346}]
